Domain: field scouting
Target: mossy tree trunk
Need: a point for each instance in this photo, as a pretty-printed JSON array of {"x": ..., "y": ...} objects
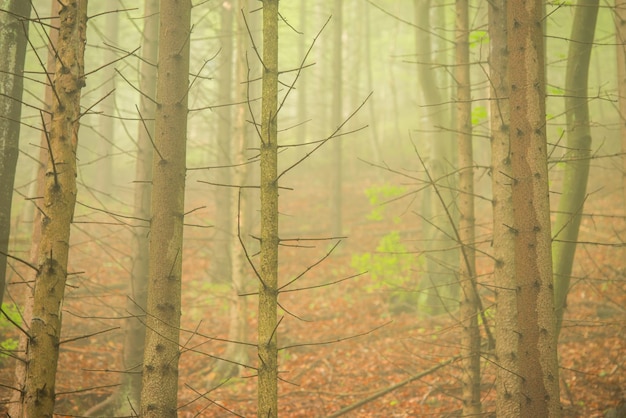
[{"x": 160, "y": 368}]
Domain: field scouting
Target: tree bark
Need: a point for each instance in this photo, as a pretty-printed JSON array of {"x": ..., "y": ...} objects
[
  {"x": 537, "y": 356},
  {"x": 58, "y": 206},
  {"x": 268, "y": 288},
  {"x": 470, "y": 344},
  {"x": 16, "y": 405},
  {"x": 161, "y": 354},
  {"x": 13, "y": 31},
  {"x": 574, "y": 189},
  {"x": 507, "y": 335}
]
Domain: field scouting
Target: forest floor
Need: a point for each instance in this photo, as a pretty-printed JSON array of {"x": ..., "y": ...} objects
[{"x": 347, "y": 340}]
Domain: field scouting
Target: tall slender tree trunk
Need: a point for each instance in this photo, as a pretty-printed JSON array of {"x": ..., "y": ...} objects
[
  {"x": 469, "y": 299},
  {"x": 104, "y": 166},
  {"x": 160, "y": 368},
  {"x": 221, "y": 272},
  {"x": 129, "y": 394},
  {"x": 58, "y": 205},
  {"x": 440, "y": 283},
  {"x": 336, "y": 168},
  {"x": 302, "y": 88},
  {"x": 507, "y": 335},
  {"x": 13, "y": 32},
  {"x": 237, "y": 326},
  {"x": 574, "y": 189},
  {"x": 373, "y": 114},
  {"x": 268, "y": 288},
  {"x": 620, "y": 34},
  {"x": 16, "y": 406},
  {"x": 537, "y": 356}
]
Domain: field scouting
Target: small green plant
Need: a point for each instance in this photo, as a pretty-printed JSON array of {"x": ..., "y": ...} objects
[
  {"x": 478, "y": 37},
  {"x": 378, "y": 196},
  {"x": 479, "y": 114},
  {"x": 390, "y": 265},
  {"x": 8, "y": 345}
]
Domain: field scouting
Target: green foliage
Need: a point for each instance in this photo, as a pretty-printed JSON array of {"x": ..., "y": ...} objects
[
  {"x": 478, "y": 37},
  {"x": 389, "y": 266},
  {"x": 378, "y": 196},
  {"x": 479, "y": 114},
  {"x": 8, "y": 345},
  {"x": 555, "y": 91}
]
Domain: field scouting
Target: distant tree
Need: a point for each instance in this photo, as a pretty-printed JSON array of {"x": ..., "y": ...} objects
[
  {"x": 336, "y": 168},
  {"x": 268, "y": 273},
  {"x": 160, "y": 367},
  {"x": 14, "y": 18},
  {"x": 576, "y": 158},
  {"x": 129, "y": 393},
  {"x": 302, "y": 89},
  {"x": 440, "y": 285},
  {"x": 235, "y": 222},
  {"x": 536, "y": 324},
  {"x": 106, "y": 122},
  {"x": 220, "y": 270},
  {"x": 58, "y": 206},
  {"x": 507, "y": 337},
  {"x": 620, "y": 34},
  {"x": 470, "y": 345}
]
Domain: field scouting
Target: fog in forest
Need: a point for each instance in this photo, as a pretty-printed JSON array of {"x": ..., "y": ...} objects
[{"x": 356, "y": 236}]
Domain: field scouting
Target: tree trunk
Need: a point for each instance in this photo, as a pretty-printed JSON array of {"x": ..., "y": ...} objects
[
  {"x": 103, "y": 169},
  {"x": 373, "y": 111},
  {"x": 224, "y": 217},
  {"x": 161, "y": 354},
  {"x": 537, "y": 356},
  {"x": 440, "y": 284},
  {"x": 303, "y": 108},
  {"x": 129, "y": 394},
  {"x": 268, "y": 288},
  {"x": 238, "y": 315},
  {"x": 620, "y": 29},
  {"x": 470, "y": 344},
  {"x": 58, "y": 205},
  {"x": 336, "y": 168},
  {"x": 13, "y": 30},
  {"x": 507, "y": 337},
  {"x": 16, "y": 405},
  {"x": 574, "y": 190}
]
